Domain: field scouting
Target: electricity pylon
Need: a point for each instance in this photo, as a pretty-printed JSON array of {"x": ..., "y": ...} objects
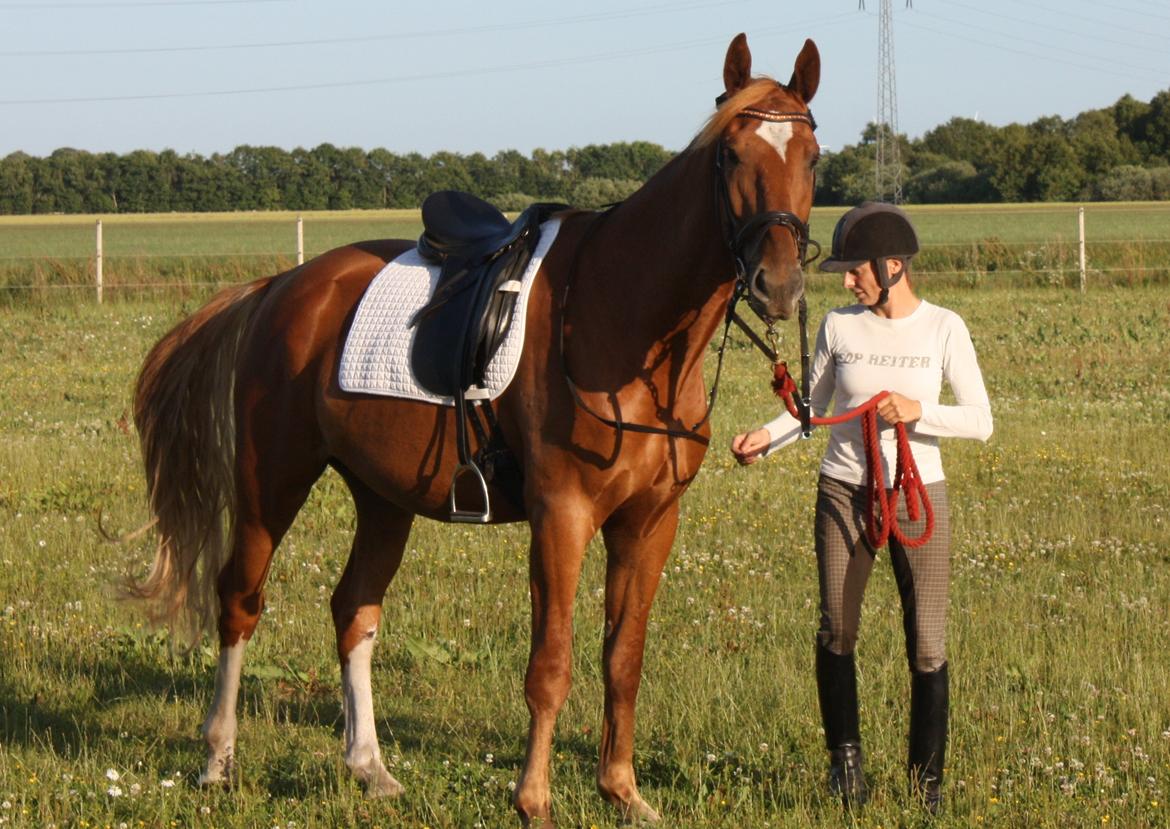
[{"x": 888, "y": 164}]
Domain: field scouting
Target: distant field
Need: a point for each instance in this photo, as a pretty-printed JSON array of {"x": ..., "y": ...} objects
[{"x": 43, "y": 257}]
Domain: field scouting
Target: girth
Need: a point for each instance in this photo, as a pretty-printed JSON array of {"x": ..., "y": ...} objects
[{"x": 482, "y": 257}]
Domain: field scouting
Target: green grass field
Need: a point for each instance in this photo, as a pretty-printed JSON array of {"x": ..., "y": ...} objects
[{"x": 1057, "y": 637}]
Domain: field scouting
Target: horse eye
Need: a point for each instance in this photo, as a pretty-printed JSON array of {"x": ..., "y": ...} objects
[{"x": 816, "y": 159}]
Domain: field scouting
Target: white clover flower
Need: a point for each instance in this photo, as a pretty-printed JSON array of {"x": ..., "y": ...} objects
[
  {"x": 167, "y": 784},
  {"x": 114, "y": 791},
  {"x": 112, "y": 774}
]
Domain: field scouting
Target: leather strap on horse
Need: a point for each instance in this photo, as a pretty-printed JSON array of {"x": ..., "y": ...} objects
[
  {"x": 616, "y": 422},
  {"x": 906, "y": 477}
]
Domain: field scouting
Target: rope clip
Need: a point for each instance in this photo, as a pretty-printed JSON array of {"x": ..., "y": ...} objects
[{"x": 773, "y": 341}]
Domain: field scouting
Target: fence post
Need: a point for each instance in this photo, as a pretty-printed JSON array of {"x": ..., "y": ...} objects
[
  {"x": 98, "y": 261},
  {"x": 300, "y": 240},
  {"x": 1081, "y": 233}
]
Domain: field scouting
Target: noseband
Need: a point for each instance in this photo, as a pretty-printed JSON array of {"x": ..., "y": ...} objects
[{"x": 748, "y": 236}]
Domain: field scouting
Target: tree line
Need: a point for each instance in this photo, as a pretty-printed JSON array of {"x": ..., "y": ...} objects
[{"x": 1120, "y": 152}]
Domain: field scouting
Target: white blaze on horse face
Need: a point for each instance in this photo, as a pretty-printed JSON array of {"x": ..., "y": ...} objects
[{"x": 777, "y": 134}]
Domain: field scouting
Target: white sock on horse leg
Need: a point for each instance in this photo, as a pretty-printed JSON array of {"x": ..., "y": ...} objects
[
  {"x": 362, "y": 754},
  {"x": 219, "y": 728}
]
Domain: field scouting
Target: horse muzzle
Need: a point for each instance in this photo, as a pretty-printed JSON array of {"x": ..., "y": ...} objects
[{"x": 775, "y": 299}]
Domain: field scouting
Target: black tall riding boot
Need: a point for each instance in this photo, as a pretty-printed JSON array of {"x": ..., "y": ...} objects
[
  {"x": 837, "y": 691},
  {"x": 928, "y": 735}
]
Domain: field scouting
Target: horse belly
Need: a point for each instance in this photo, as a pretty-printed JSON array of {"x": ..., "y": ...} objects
[{"x": 405, "y": 451}]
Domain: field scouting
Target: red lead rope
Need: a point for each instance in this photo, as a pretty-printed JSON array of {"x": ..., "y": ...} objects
[{"x": 906, "y": 477}]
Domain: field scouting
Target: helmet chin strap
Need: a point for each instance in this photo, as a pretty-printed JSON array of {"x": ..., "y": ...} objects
[{"x": 883, "y": 275}]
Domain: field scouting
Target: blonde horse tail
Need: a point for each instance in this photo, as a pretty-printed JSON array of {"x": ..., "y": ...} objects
[{"x": 184, "y": 405}]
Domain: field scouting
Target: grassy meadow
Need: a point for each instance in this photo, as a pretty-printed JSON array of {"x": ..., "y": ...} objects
[{"x": 1057, "y": 638}]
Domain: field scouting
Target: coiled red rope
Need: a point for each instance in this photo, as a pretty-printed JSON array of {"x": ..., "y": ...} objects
[{"x": 907, "y": 481}]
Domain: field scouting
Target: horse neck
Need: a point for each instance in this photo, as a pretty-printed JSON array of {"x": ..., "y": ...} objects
[{"x": 660, "y": 267}]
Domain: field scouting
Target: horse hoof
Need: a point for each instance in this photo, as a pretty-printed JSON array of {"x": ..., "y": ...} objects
[
  {"x": 383, "y": 784},
  {"x": 639, "y": 813},
  {"x": 219, "y": 773}
]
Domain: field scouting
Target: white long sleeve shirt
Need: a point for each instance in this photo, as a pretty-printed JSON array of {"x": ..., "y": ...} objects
[{"x": 859, "y": 354}]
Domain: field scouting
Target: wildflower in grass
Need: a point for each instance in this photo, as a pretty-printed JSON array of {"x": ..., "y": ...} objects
[
  {"x": 112, "y": 775},
  {"x": 114, "y": 791}
]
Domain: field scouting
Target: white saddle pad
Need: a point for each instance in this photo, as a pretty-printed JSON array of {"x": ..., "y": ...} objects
[{"x": 376, "y": 356}]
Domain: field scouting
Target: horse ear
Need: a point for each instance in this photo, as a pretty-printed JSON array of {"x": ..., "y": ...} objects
[
  {"x": 737, "y": 68},
  {"x": 806, "y": 77}
]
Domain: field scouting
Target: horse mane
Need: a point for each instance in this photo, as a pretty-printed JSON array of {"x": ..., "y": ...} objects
[{"x": 755, "y": 92}]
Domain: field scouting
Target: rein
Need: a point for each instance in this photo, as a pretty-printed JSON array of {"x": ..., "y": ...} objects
[
  {"x": 748, "y": 236},
  {"x": 907, "y": 480}
]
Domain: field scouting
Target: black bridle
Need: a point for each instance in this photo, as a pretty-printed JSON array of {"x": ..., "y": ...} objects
[{"x": 740, "y": 240}]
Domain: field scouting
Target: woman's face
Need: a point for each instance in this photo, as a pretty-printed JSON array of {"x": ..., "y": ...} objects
[{"x": 863, "y": 282}]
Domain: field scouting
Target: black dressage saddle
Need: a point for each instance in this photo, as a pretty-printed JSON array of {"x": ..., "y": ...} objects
[{"x": 482, "y": 257}]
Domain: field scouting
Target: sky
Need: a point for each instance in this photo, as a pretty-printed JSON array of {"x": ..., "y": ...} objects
[{"x": 205, "y": 76}]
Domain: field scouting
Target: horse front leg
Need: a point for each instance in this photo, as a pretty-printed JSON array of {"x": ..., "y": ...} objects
[
  {"x": 638, "y": 541},
  {"x": 559, "y": 535}
]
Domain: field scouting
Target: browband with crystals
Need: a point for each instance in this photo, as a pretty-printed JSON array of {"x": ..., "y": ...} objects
[
  {"x": 779, "y": 117},
  {"x": 771, "y": 114}
]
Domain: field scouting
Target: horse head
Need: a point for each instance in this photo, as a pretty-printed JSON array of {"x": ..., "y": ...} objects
[{"x": 766, "y": 155}]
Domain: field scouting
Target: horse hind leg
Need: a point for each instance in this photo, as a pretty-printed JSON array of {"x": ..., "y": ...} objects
[
  {"x": 264, "y": 512},
  {"x": 378, "y": 545}
]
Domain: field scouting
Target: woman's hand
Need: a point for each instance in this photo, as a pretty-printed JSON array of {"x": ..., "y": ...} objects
[
  {"x": 895, "y": 408},
  {"x": 748, "y": 447}
]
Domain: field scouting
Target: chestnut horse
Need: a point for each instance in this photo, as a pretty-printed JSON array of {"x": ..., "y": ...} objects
[{"x": 239, "y": 412}]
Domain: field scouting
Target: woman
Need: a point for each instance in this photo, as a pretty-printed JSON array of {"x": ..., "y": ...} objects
[{"x": 890, "y": 340}]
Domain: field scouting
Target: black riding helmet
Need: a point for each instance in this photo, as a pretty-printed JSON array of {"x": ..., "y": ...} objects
[{"x": 872, "y": 232}]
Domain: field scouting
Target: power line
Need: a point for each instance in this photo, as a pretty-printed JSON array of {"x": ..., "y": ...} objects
[
  {"x": 1002, "y": 48},
  {"x": 1094, "y": 20},
  {"x": 1160, "y": 5},
  {"x": 137, "y": 4},
  {"x": 454, "y": 73},
  {"x": 462, "y": 30},
  {"x": 1048, "y": 26},
  {"x": 1112, "y": 61}
]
